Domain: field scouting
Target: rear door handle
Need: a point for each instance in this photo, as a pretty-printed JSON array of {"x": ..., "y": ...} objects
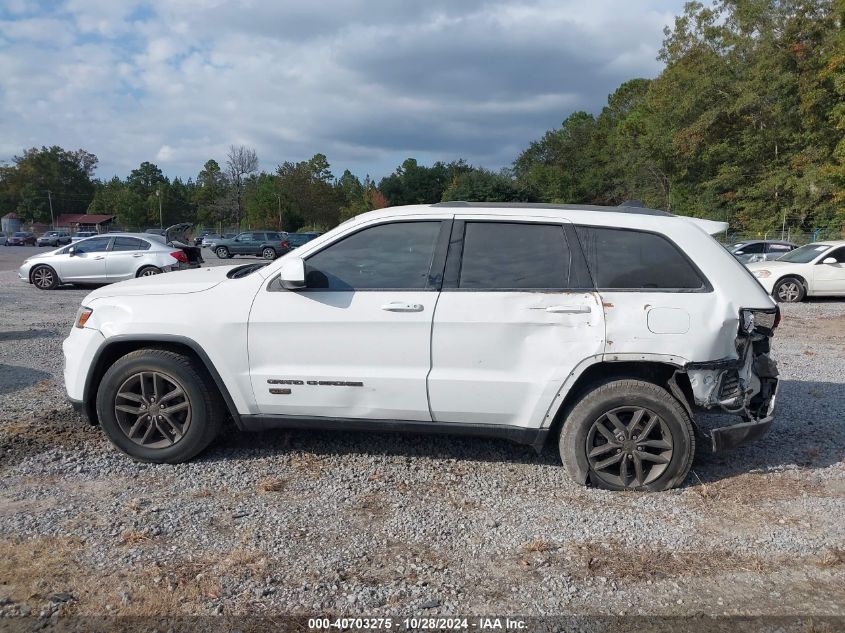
[
  {"x": 398, "y": 306},
  {"x": 569, "y": 309},
  {"x": 138, "y": 255},
  {"x": 100, "y": 257}
]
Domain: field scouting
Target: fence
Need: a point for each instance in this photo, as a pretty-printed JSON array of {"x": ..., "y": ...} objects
[{"x": 789, "y": 235}]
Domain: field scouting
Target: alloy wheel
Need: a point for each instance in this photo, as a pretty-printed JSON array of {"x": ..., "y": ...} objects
[
  {"x": 629, "y": 447},
  {"x": 149, "y": 272},
  {"x": 43, "y": 277},
  {"x": 152, "y": 409},
  {"x": 789, "y": 291}
]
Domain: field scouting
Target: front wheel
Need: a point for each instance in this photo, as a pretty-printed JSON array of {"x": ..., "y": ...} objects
[
  {"x": 44, "y": 278},
  {"x": 789, "y": 290},
  {"x": 159, "y": 406},
  {"x": 268, "y": 253},
  {"x": 628, "y": 435}
]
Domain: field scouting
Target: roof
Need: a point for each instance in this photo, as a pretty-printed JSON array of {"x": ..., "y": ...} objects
[
  {"x": 638, "y": 210},
  {"x": 631, "y": 217},
  {"x": 83, "y": 218},
  {"x": 11, "y": 216}
]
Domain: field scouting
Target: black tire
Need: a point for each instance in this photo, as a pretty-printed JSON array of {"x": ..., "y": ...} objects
[
  {"x": 44, "y": 277},
  {"x": 148, "y": 271},
  {"x": 584, "y": 446},
  {"x": 222, "y": 252},
  {"x": 204, "y": 413},
  {"x": 268, "y": 252},
  {"x": 789, "y": 290}
]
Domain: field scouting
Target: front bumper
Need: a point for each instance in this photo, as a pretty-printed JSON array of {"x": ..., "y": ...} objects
[{"x": 729, "y": 437}]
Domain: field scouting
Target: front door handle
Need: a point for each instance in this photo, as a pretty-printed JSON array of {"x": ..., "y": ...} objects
[
  {"x": 569, "y": 309},
  {"x": 399, "y": 306}
]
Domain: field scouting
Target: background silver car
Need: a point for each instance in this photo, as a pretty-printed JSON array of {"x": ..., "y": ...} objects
[
  {"x": 760, "y": 250},
  {"x": 109, "y": 258}
]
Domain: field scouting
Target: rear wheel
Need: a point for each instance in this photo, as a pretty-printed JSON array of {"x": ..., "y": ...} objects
[
  {"x": 789, "y": 290},
  {"x": 159, "y": 406},
  {"x": 628, "y": 435},
  {"x": 149, "y": 271},
  {"x": 44, "y": 278},
  {"x": 268, "y": 253},
  {"x": 223, "y": 252}
]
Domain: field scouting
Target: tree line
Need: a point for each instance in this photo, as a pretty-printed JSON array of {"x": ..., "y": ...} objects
[{"x": 745, "y": 123}]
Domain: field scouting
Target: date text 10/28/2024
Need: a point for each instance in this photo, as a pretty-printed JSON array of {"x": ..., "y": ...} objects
[{"x": 418, "y": 624}]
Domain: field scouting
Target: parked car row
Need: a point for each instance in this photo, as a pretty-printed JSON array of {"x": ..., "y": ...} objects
[
  {"x": 813, "y": 270},
  {"x": 112, "y": 257}
]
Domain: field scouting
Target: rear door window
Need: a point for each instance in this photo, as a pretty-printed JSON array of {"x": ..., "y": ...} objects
[
  {"x": 129, "y": 244},
  {"x": 778, "y": 248},
  {"x": 625, "y": 259},
  {"x": 514, "y": 256}
]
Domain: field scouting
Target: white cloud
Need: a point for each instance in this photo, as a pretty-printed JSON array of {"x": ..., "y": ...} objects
[{"x": 367, "y": 82}]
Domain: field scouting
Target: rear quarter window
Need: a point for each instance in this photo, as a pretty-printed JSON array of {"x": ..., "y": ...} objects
[{"x": 627, "y": 259}]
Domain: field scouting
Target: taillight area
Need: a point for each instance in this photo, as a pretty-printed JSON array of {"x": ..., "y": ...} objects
[
  {"x": 179, "y": 256},
  {"x": 284, "y": 244}
]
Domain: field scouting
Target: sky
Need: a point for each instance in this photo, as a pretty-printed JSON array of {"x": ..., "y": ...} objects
[{"x": 368, "y": 83}]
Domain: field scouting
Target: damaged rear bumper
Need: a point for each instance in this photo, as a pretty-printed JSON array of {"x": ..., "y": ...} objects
[
  {"x": 746, "y": 386},
  {"x": 728, "y": 437}
]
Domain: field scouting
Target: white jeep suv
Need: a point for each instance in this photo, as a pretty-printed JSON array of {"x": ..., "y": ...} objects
[{"x": 604, "y": 327}]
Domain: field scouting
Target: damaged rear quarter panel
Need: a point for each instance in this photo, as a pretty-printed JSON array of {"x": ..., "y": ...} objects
[{"x": 683, "y": 327}]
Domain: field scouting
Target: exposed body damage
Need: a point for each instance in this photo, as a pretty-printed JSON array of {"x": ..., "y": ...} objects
[{"x": 745, "y": 385}]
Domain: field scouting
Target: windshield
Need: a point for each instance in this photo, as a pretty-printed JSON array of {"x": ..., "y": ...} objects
[{"x": 804, "y": 254}]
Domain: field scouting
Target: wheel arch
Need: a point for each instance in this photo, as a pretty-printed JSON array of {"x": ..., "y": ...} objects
[
  {"x": 43, "y": 265},
  {"x": 800, "y": 278},
  {"x": 119, "y": 346},
  {"x": 664, "y": 374}
]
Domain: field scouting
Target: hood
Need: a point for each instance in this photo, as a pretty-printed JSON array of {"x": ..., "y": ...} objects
[
  {"x": 45, "y": 254},
  {"x": 175, "y": 283},
  {"x": 772, "y": 263},
  {"x": 179, "y": 233}
]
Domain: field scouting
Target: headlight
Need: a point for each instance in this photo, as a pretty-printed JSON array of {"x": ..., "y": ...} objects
[
  {"x": 761, "y": 274},
  {"x": 82, "y": 316}
]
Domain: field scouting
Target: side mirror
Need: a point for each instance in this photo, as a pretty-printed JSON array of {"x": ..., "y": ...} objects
[
  {"x": 830, "y": 260},
  {"x": 292, "y": 273},
  {"x": 71, "y": 251}
]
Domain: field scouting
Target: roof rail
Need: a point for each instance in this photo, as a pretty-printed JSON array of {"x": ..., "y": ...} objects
[{"x": 623, "y": 208}]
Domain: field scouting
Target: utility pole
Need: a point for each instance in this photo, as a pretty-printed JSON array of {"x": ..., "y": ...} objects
[
  {"x": 52, "y": 219},
  {"x": 160, "y": 221},
  {"x": 783, "y": 227},
  {"x": 280, "y": 210}
]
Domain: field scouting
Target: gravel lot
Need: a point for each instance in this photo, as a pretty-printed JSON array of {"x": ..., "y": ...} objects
[{"x": 345, "y": 523}]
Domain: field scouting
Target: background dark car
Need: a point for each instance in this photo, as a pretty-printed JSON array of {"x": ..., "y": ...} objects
[
  {"x": 760, "y": 250},
  {"x": 266, "y": 244},
  {"x": 21, "y": 238},
  {"x": 54, "y": 238},
  {"x": 296, "y": 240}
]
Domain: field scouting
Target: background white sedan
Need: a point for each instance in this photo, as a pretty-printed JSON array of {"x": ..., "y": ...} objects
[
  {"x": 107, "y": 258},
  {"x": 809, "y": 271}
]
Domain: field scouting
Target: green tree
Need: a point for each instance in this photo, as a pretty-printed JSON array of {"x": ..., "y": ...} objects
[
  {"x": 481, "y": 185},
  {"x": 41, "y": 176}
]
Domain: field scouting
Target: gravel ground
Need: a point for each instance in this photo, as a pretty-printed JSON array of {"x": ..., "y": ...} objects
[{"x": 346, "y": 523}]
